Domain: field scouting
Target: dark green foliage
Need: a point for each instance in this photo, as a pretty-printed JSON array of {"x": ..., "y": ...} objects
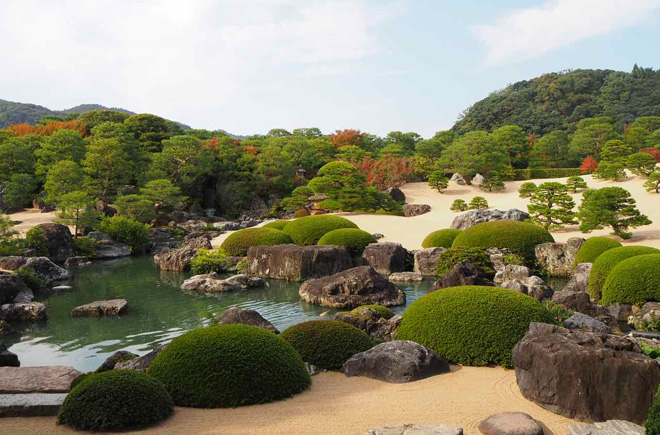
[
  {"x": 527, "y": 189},
  {"x": 559, "y": 312},
  {"x": 29, "y": 277},
  {"x": 613, "y": 207},
  {"x": 229, "y": 365},
  {"x": 238, "y": 243},
  {"x": 478, "y": 203},
  {"x": 652, "y": 424},
  {"x": 551, "y": 206},
  {"x": 309, "y": 230},
  {"x": 438, "y": 181},
  {"x": 441, "y": 238},
  {"x": 326, "y": 343},
  {"x": 459, "y": 205},
  {"x": 353, "y": 239},
  {"x": 542, "y": 173},
  {"x": 492, "y": 183},
  {"x": 633, "y": 281},
  {"x": 207, "y": 261},
  {"x": 385, "y": 312},
  {"x": 453, "y": 256},
  {"x": 593, "y": 247},
  {"x": 472, "y": 325},
  {"x": 277, "y": 225},
  {"x": 85, "y": 246},
  {"x": 36, "y": 239},
  {"x": 574, "y": 183},
  {"x": 126, "y": 230},
  {"x": 115, "y": 400},
  {"x": 518, "y": 237},
  {"x": 606, "y": 262}
]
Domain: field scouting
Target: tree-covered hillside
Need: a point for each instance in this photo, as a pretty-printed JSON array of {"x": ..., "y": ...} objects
[
  {"x": 18, "y": 113},
  {"x": 557, "y": 101}
]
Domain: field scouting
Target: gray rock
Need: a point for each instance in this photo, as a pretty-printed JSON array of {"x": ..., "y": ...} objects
[
  {"x": 610, "y": 427},
  {"x": 59, "y": 241},
  {"x": 245, "y": 281},
  {"x": 386, "y": 258},
  {"x": 473, "y": 217},
  {"x": 532, "y": 286},
  {"x": 459, "y": 179},
  {"x": 463, "y": 273},
  {"x": 30, "y": 405},
  {"x": 426, "y": 260},
  {"x": 580, "y": 279},
  {"x": 396, "y": 194},
  {"x": 406, "y": 277},
  {"x": 77, "y": 262},
  {"x": 114, "y": 359},
  {"x": 416, "y": 429},
  {"x": 620, "y": 312},
  {"x": 7, "y": 358},
  {"x": 511, "y": 272},
  {"x": 30, "y": 380},
  {"x": 29, "y": 311},
  {"x": 197, "y": 240},
  {"x": 372, "y": 322},
  {"x": 510, "y": 423},
  {"x": 112, "y": 307},
  {"x": 558, "y": 258},
  {"x": 5, "y": 328},
  {"x": 587, "y": 323},
  {"x": 10, "y": 287},
  {"x": 247, "y": 317},
  {"x": 110, "y": 249},
  {"x": 213, "y": 283},
  {"x": 140, "y": 363},
  {"x": 175, "y": 260},
  {"x": 297, "y": 263},
  {"x": 378, "y": 236},
  {"x": 43, "y": 267},
  {"x": 412, "y": 210},
  {"x": 478, "y": 179}
]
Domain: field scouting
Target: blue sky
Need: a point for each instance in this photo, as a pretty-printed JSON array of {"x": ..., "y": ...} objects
[{"x": 251, "y": 65}]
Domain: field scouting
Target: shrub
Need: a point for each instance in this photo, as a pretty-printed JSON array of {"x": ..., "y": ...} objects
[
  {"x": 527, "y": 189},
  {"x": 652, "y": 424},
  {"x": 115, "y": 400},
  {"x": 607, "y": 261},
  {"x": 478, "y": 203},
  {"x": 29, "y": 277},
  {"x": 228, "y": 366},
  {"x": 384, "y": 312},
  {"x": 453, "y": 256},
  {"x": 634, "y": 281},
  {"x": 126, "y": 230},
  {"x": 327, "y": 343},
  {"x": 207, "y": 261},
  {"x": 458, "y": 205},
  {"x": 301, "y": 213},
  {"x": 559, "y": 312},
  {"x": 472, "y": 325},
  {"x": 353, "y": 239},
  {"x": 309, "y": 230},
  {"x": 85, "y": 246},
  {"x": 238, "y": 243},
  {"x": 277, "y": 225},
  {"x": 36, "y": 239},
  {"x": 518, "y": 237},
  {"x": 440, "y": 238},
  {"x": 575, "y": 182},
  {"x": 593, "y": 247}
]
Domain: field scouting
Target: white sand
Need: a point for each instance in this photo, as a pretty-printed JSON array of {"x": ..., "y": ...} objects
[{"x": 30, "y": 218}]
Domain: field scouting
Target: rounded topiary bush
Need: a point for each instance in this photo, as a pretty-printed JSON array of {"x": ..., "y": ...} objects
[
  {"x": 238, "y": 243},
  {"x": 472, "y": 325},
  {"x": 634, "y": 281},
  {"x": 115, "y": 400},
  {"x": 229, "y": 365},
  {"x": 593, "y": 247},
  {"x": 606, "y": 261},
  {"x": 301, "y": 213},
  {"x": 518, "y": 237},
  {"x": 277, "y": 225},
  {"x": 308, "y": 230},
  {"x": 353, "y": 239},
  {"x": 453, "y": 256},
  {"x": 327, "y": 344},
  {"x": 440, "y": 238}
]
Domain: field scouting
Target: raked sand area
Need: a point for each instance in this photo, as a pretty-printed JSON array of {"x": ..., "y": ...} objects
[{"x": 337, "y": 405}]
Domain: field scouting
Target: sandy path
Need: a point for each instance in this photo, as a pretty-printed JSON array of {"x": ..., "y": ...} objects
[
  {"x": 30, "y": 218},
  {"x": 337, "y": 405}
]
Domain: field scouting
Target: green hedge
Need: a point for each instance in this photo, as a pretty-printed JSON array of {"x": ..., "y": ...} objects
[
  {"x": 238, "y": 243},
  {"x": 607, "y": 261},
  {"x": 327, "y": 343},
  {"x": 277, "y": 225},
  {"x": 115, "y": 400},
  {"x": 441, "y": 238},
  {"x": 540, "y": 173},
  {"x": 593, "y": 247},
  {"x": 353, "y": 239},
  {"x": 229, "y": 365},
  {"x": 453, "y": 256},
  {"x": 472, "y": 325},
  {"x": 518, "y": 237},
  {"x": 652, "y": 424},
  {"x": 308, "y": 230},
  {"x": 634, "y": 281}
]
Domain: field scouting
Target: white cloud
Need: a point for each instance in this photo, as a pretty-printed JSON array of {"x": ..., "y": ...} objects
[{"x": 531, "y": 32}]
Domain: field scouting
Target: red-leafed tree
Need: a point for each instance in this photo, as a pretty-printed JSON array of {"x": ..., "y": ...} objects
[
  {"x": 24, "y": 129},
  {"x": 342, "y": 138},
  {"x": 655, "y": 152},
  {"x": 589, "y": 165},
  {"x": 387, "y": 172}
]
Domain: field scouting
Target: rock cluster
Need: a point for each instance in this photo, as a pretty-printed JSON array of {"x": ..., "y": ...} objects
[
  {"x": 473, "y": 217},
  {"x": 519, "y": 278},
  {"x": 43, "y": 267},
  {"x": 106, "y": 248},
  {"x": 114, "y": 359},
  {"x": 297, "y": 263},
  {"x": 463, "y": 273},
  {"x": 140, "y": 363},
  {"x": 426, "y": 260},
  {"x": 558, "y": 258},
  {"x": 372, "y": 322}
]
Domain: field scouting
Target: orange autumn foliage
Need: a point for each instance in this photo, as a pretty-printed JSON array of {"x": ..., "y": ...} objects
[
  {"x": 589, "y": 165},
  {"x": 342, "y": 138},
  {"x": 24, "y": 129}
]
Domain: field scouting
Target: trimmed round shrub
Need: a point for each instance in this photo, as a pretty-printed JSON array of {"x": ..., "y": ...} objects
[
  {"x": 210, "y": 260},
  {"x": 229, "y": 365},
  {"x": 115, "y": 400},
  {"x": 126, "y": 230},
  {"x": 238, "y": 243},
  {"x": 353, "y": 239},
  {"x": 385, "y": 312},
  {"x": 327, "y": 344},
  {"x": 652, "y": 424},
  {"x": 453, "y": 256},
  {"x": 441, "y": 238},
  {"x": 308, "y": 230},
  {"x": 607, "y": 261},
  {"x": 518, "y": 237},
  {"x": 634, "y": 281},
  {"x": 277, "y": 225},
  {"x": 301, "y": 213},
  {"x": 472, "y": 325},
  {"x": 593, "y": 247}
]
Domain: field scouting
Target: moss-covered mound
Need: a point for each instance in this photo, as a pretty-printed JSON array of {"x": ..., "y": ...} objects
[
  {"x": 607, "y": 261},
  {"x": 440, "y": 238},
  {"x": 453, "y": 256},
  {"x": 115, "y": 400},
  {"x": 301, "y": 213},
  {"x": 634, "y": 281},
  {"x": 519, "y": 237},
  {"x": 327, "y": 343},
  {"x": 353, "y": 239},
  {"x": 238, "y": 243},
  {"x": 277, "y": 225},
  {"x": 472, "y": 325},
  {"x": 229, "y": 365},
  {"x": 593, "y": 247},
  {"x": 384, "y": 312},
  {"x": 309, "y": 230}
]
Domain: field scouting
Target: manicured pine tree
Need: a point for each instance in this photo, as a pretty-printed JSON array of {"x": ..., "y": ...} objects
[
  {"x": 652, "y": 183},
  {"x": 641, "y": 164},
  {"x": 610, "y": 171},
  {"x": 459, "y": 205},
  {"x": 527, "y": 189},
  {"x": 438, "y": 181},
  {"x": 613, "y": 207},
  {"x": 574, "y": 183},
  {"x": 478, "y": 203},
  {"x": 551, "y": 206}
]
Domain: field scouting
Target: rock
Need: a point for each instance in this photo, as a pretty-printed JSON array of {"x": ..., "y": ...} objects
[
  {"x": 459, "y": 179},
  {"x": 29, "y": 311},
  {"x": 580, "y": 279},
  {"x": 351, "y": 288},
  {"x": 228, "y": 226},
  {"x": 59, "y": 240},
  {"x": 576, "y": 301},
  {"x": 640, "y": 318},
  {"x": 558, "y": 258},
  {"x": 378, "y": 236},
  {"x": 396, "y": 361},
  {"x": 8, "y": 359},
  {"x": 246, "y": 281},
  {"x": 197, "y": 240},
  {"x": 247, "y": 317},
  {"x": 114, "y": 359},
  {"x": 510, "y": 423},
  {"x": 532, "y": 286},
  {"x": 179, "y": 216},
  {"x": 140, "y": 363},
  {"x": 416, "y": 429},
  {"x": 511, "y": 272},
  {"x": 10, "y": 287},
  {"x": 106, "y": 248},
  {"x": 30, "y": 380},
  {"x": 396, "y": 194},
  {"x": 5, "y": 328},
  {"x": 585, "y": 375},
  {"x": 587, "y": 323},
  {"x": 478, "y": 179},
  {"x": 77, "y": 262},
  {"x": 314, "y": 370},
  {"x": 473, "y": 217},
  {"x": 610, "y": 427},
  {"x": 12, "y": 262},
  {"x": 412, "y": 210},
  {"x": 426, "y": 260},
  {"x": 463, "y": 273},
  {"x": 30, "y": 405},
  {"x": 498, "y": 256},
  {"x": 297, "y": 263},
  {"x": 386, "y": 258},
  {"x": 112, "y": 307},
  {"x": 46, "y": 270},
  {"x": 406, "y": 277},
  {"x": 176, "y": 260},
  {"x": 213, "y": 283},
  {"x": 620, "y": 312},
  {"x": 372, "y": 322}
]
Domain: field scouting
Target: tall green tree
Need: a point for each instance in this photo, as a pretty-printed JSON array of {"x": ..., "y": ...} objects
[
  {"x": 438, "y": 181},
  {"x": 590, "y": 137},
  {"x": 165, "y": 195},
  {"x": 149, "y": 130},
  {"x": 19, "y": 191},
  {"x": 551, "y": 206},
  {"x": 551, "y": 151},
  {"x": 107, "y": 167},
  {"x": 641, "y": 164},
  {"x": 475, "y": 152},
  {"x": 62, "y": 178},
  {"x": 615, "y": 151},
  {"x": 77, "y": 210},
  {"x": 610, "y": 207},
  {"x": 61, "y": 145},
  {"x": 15, "y": 158},
  {"x": 515, "y": 142}
]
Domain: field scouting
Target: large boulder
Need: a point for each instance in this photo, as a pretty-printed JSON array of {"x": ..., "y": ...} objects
[
  {"x": 463, "y": 273},
  {"x": 106, "y": 248},
  {"x": 473, "y": 217},
  {"x": 29, "y": 312},
  {"x": 43, "y": 267},
  {"x": 412, "y": 210},
  {"x": 39, "y": 379},
  {"x": 372, "y": 321},
  {"x": 8, "y": 359},
  {"x": 558, "y": 258},
  {"x": 10, "y": 287},
  {"x": 247, "y": 317},
  {"x": 59, "y": 240},
  {"x": 585, "y": 375},
  {"x": 213, "y": 283},
  {"x": 352, "y": 288},
  {"x": 532, "y": 286},
  {"x": 396, "y": 194},
  {"x": 197, "y": 240},
  {"x": 426, "y": 260},
  {"x": 510, "y": 423},
  {"x": 140, "y": 363},
  {"x": 176, "y": 260},
  {"x": 386, "y": 258},
  {"x": 297, "y": 263},
  {"x": 396, "y": 361},
  {"x": 580, "y": 279},
  {"x": 511, "y": 272},
  {"x": 586, "y": 323},
  {"x": 112, "y": 307},
  {"x": 111, "y": 362}
]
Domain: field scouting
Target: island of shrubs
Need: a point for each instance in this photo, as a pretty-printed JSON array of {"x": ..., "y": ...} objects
[{"x": 593, "y": 247}]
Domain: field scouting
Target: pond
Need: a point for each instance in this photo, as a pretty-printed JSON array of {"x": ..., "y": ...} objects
[{"x": 158, "y": 312}]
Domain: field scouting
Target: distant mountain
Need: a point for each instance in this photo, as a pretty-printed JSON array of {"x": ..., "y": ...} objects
[{"x": 82, "y": 108}]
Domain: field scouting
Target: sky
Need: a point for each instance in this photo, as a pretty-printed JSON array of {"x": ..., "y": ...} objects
[{"x": 247, "y": 66}]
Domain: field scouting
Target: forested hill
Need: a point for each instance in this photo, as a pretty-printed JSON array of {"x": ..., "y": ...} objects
[
  {"x": 556, "y": 101},
  {"x": 17, "y": 113}
]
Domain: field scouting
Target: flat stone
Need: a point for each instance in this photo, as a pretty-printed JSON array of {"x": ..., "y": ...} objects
[
  {"x": 46, "y": 379},
  {"x": 30, "y": 405},
  {"x": 406, "y": 277},
  {"x": 588, "y": 323},
  {"x": 610, "y": 427},
  {"x": 416, "y": 429},
  {"x": 29, "y": 311},
  {"x": 297, "y": 263},
  {"x": 510, "y": 423},
  {"x": 61, "y": 288},
  {"x": 113, "y": 307}
]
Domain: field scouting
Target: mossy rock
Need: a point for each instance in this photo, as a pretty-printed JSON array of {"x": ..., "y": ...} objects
[
  {"x": 384, "y": 312},
  {"x": 441, "y": 238},
  {"x": 472, "y": 325},
  {"x": 593, "y": 247},
  {"x": 115, "y": 400},
  {"x": 634, "y": 281},
  {"x": 309, "y": 230},
  {"x": 353, "y": 239},
  {"x": 277, "y": 225},
  {"x": 229, "y": 365},
  {"x": 327, "y": 344},
  {"x": 453, "y": 256},
  {"x": 238, "y": 243},
  {"x": 301, "y": 213}
]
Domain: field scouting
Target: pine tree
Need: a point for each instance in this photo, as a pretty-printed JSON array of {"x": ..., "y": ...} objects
[
  {"x": 527, "y": 189},
  {"x": 77, "y": 210},
  {"x": 551, "y": 206},
  {"x": 459, "y": 205},
  {"x": 492, "y": 183},
  {"x": 653, "y": 182},
  {"x": 574, "y": 183},
  {"x": 613, "y": 207},
  {"x": 438, "y": 181},
  {"x": 478, "y": 203}
]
